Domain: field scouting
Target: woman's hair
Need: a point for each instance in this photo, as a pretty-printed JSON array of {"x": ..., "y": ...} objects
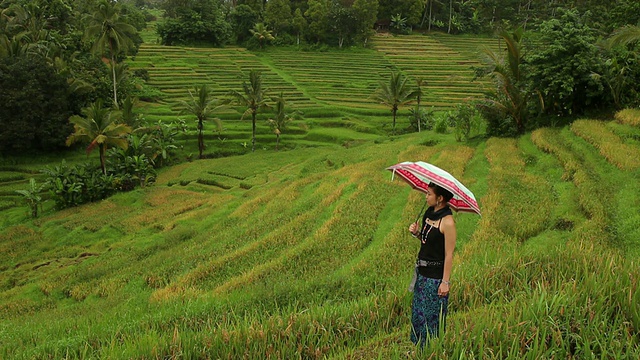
[{"x": 440, "y": 191}]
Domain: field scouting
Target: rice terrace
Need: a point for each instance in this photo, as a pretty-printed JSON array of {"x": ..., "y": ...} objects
[{"x": 300, "y": 249}]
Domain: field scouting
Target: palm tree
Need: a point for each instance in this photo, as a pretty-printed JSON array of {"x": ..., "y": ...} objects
[
  {"x": 202, "y": 107},
  {"x": 615, "y": 75},
  {"x": 281, "y": 119},
  {"x": 113, "y": 36},
  {"x": 625, "y": 35},
  {"x": 394, "y": 94},
  {"x": 129, "y": 117},
  {"x": 419, "y": 84},
  {"x": 253, "y": 97},
  {"x": 509, "y": 96},
  {"x": 261, "y": 33},
  {"x": 100, "y": 129}
]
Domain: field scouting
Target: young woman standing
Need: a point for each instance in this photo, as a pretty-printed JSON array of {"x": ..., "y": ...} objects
[{"x": 431, "y": 282}]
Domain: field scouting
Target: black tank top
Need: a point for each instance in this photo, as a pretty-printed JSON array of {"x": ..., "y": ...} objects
[{"x": 432, "y": 243}]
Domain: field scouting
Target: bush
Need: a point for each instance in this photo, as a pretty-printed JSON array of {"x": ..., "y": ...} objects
[
  {"x": 72, "y": 186},
  {"x": 442, "y": 122},
  {"x": 423, "y": 117},
  {"x": 131, "y": 170},
  {"x": 284, "y": 39},
  {"x": 467, "y": 120}
]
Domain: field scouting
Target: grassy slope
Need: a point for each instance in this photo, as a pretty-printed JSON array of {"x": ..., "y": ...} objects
[
  {"x": 306, "y": 255},
  {"x": 332, "y": 89}
]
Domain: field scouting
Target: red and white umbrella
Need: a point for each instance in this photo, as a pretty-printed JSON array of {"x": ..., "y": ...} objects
[{"x": 419, "y": 174}]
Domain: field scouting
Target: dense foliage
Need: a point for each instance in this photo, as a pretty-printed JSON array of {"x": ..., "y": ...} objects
[
  {"x": 49, "y": 71},
  {"x": 196, "y": 21},
  {"x": 34, "y": 106},
  {"x": 352, "y": 22}
]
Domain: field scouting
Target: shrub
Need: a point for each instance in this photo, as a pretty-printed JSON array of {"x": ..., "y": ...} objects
[
  {"x": 421, "y": 119},
  {"x": 131, "y": 170},
  {"x": 442, "y": 122},
  {"x": 72, "y": 186},
  {"x": 32, "y": 196},
  {"x": 467, "y": 120}
]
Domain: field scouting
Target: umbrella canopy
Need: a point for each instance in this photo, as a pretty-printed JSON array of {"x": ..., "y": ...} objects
[{"x": 420, "y": 174}]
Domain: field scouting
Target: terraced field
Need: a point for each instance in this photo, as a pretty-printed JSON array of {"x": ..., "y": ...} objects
[
  {"x": 305, "y": 254},
  {"x": 447, "y": 70},
  {"x": 332, "y": 88},
  {"x": 344, "y": 79},
  {"x": 176, "y": 70}
]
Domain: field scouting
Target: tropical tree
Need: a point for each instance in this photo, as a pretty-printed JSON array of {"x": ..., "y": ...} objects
[
  {"x": 419, "y": 84},
  {"x": 394, "y": 94},
  {"x": 129, "y": 117},
  {"x": 342, "y": 22},
  {"x": 399, "y": 23},
  {"x": 505, "y": 106},
  {"x": 202, "y": 107},
  {"x": 277, "y": 15},
  {"x": 366, "y": 13},
  {"x": 625, "y": 35},
  {"x": 298, "y": 24},
  {"x": 317, "y": 16},
  {"x": 279, "y": 122},
  {"x": 100, "y": 128},
  {"x": 32, "y": 196},
  {"x": 253, "y": 97},
  {"x": 622, "y": 64},
  {"x": 34, "y": 106},
  {"x": 261, "y": 33},
  {"x": 113, "y": 36},
  {"x": 562, "y": 62}
]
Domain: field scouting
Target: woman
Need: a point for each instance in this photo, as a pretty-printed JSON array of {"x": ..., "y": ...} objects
[{"x": 433, "y": 267}]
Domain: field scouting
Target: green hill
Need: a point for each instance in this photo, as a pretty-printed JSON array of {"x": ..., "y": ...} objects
[{"x": 305, "y": 254}]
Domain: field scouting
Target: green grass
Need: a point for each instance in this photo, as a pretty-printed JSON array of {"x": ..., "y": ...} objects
[
  {"x": 304, "y": 254},
  {"x": 337, "y": 83}
]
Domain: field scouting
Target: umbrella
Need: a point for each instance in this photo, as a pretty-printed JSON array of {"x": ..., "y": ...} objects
[{"x": 419, "y": 174}]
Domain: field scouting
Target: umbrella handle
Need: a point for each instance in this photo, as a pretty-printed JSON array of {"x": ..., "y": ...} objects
[{"x": 421, "y": 210}]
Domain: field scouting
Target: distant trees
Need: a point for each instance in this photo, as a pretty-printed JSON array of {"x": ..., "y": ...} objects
[
  {"x": 202, "y": 106},
  {"x": 395, "y": 93},
  {"x": 349, "y": 22},
  {"x": 278, "y": 16},
  {"x": 34, "y": 105},
  {"x": 281, "y": 117},
  {"x": 100, "y": 128},
  {"x": 195, "y": 21},
  {"x": 506, "y": 106},
  {"x": 48, "y": 73},
  {"x": 562, "y": 63},
  {"x": 113, "y": 36},
  {"x": 253, "y": 98},
  {"x": 261, "y": 34}
]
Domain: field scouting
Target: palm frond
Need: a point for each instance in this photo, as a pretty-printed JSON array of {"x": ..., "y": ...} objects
[{"x": 624, "y": 36}]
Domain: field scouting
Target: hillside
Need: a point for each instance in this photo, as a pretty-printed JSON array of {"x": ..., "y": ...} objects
[
  {"x": 332, "y": 90},
  {"x": 305, "y": 254}
]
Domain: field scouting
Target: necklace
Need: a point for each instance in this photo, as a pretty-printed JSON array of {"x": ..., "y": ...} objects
[{"x": 423, "y": 237}]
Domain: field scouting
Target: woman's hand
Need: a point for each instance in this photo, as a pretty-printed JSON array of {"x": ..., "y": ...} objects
[
  {"x": 413, "y": 228},
  {"x": 443, "y": 289}
]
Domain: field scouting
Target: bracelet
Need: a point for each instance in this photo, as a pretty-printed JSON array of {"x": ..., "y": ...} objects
[{"x": 446, "y": 282}]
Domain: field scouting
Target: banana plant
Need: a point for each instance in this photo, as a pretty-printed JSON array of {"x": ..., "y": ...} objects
[{"x": 32, "y": 196}]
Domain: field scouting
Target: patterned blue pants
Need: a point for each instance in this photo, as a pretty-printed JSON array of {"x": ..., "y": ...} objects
[{"x": 427, "y": 310}]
